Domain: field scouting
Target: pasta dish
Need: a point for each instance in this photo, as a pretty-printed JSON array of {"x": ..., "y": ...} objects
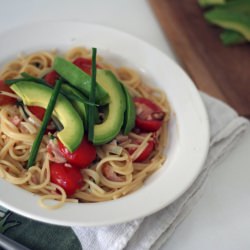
[{"x": 129, "y": 127}]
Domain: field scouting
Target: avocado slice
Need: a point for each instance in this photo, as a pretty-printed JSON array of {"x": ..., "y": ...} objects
[
  {"x": 242, "y": 6},
  {"x": 79, "y": 79},
  {"x": 230, "y": 37},
  {"x": 113, "y": 121},
  {"x": 236, "y": 21},
  {"x": 130, "y": 113},
  {"x": 205, "y": 3},
  {"x": 34, "y": 94}
]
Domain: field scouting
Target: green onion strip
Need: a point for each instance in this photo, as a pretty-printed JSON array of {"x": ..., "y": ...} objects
[
  {"x": 46, "y": 119},
  {"x": 91, "y": 117},
  {"x": 29, "y": 78}
]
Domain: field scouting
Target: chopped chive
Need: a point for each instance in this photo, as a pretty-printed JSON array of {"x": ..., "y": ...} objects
[
  {"x": 35, "y": 79},
  {"x": 46, "y": 119},
  {"x": 91, "y": 112}
]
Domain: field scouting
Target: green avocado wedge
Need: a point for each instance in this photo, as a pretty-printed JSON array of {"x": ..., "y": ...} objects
[
  {"x": 33, "y": 94},
  {"x": 79, "y": 79},
  {"x": 111, "y": 126},
  {"x": 241, "y": 6},
  {"x": 206, "y": 3},
  {"x": 231, "y": 37},
  {"x": 130, "y": 113},
  {"x": 231, "y": 20}
]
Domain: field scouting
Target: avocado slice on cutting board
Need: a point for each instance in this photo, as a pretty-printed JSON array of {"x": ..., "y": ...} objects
[
  {"x": 231, "y": 37},
  {"x": 242, "y": 6},
  {"x": 235, "y": 21},
  {"x": 79, "y": 79},
  {"x": 112, "y": 124},
  {"x": 206, "y": 3},
  {"x": 130, "y": 113},
  {"x": 34, "y": 94}
]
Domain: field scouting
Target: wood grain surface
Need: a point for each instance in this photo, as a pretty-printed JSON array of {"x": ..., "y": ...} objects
[{"x": 223, "y": 72}]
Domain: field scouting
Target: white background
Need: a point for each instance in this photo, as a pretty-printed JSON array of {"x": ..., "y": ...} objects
[{"x": 221, "y": 219}]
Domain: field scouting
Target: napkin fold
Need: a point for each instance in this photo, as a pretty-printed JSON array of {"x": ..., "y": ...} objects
[{"x": 226, "y": 128}]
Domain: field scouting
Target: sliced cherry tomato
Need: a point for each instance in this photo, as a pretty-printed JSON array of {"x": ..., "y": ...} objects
[
  {"x": 145, "y": 153},
  {"x": 51, "y": 77},
  {"x": 84, "y": 155},
  {"x": 149, "y": 116},
  {"x": 84, "y": 64},
  {"x": 37, "y": 111},
  {"x": 4, "y": 100},
  {"x": 66, "y": 176}
]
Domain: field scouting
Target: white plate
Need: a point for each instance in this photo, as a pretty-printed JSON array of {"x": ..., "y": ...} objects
[{"x": 189, "y": 131}]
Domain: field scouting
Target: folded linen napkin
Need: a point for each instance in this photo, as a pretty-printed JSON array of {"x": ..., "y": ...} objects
[{"x": 226, "y": 127}]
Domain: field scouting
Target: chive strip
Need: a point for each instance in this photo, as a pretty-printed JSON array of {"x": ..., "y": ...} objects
[
  {"x": 73, "y": 97},
  {"x": 91, "y": 111},
  {"x": 29, "y": 78},
  {"x": 46, "y": 119},
  {"x": 26, "y": 77},
  {"x": 13, "y": 81},
  {"x": 35, "y": 79}
]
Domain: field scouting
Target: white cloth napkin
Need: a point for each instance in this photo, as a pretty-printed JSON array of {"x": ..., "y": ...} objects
[{"x": 226, "y": 127}]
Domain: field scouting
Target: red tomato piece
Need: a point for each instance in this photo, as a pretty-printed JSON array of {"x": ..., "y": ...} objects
[
  {"x": 84, "y": 64},
  {"x": 145, "y": 153},
  {"x": 51, "y": 77},
  {"x": 66, "y": 176},
  {"x": 37, "y": 111},
  {"x": 149, "y": 116},
  {"x": 4, "y": 100},
  {"x": 84, "y": 155}
]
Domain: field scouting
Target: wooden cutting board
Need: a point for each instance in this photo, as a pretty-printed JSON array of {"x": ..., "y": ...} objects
[{"x": 223, "y": 72}]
